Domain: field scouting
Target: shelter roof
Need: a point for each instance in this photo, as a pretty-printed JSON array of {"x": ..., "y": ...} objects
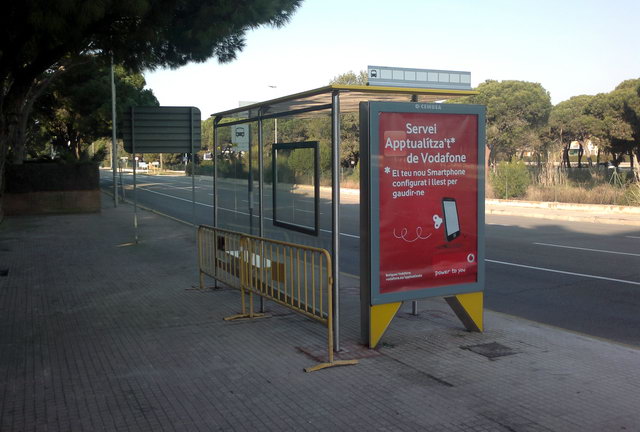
[{"x": 350, "y": 98}]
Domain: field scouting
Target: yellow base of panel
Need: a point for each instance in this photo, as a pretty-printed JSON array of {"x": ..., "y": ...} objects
[
  {"x": 380, "y": 317},
  {"x": 469, "y": 309}
]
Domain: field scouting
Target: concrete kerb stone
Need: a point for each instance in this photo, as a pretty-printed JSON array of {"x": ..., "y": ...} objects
[
  {"x": 601, "y": 214},
  {"x": 597, "y": 208}
]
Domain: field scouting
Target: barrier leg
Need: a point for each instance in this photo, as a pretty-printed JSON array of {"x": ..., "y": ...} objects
[
  {"x": 331, "y": 362},
  {"x": 244, "y": 314}
]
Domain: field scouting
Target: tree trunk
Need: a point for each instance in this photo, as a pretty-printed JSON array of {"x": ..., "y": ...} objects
[
  {"x": 565, "y": 157},
  {"x": 11, "y": 104},
  {"x": 635, "y": 165},
  {"x": 580, "y": 154},
  {"x": 3, "y": 159},
  {"x": 617, "y": 158}
]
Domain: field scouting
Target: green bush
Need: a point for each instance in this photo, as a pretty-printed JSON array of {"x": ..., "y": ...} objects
[
  {"x": 204, "y": 168},
  {"x": 226, "y": 169},
  {"x": 510, "y": 180}
]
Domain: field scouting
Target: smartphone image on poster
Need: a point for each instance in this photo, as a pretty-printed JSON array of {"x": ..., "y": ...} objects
[{"x": 451, "y": 223}]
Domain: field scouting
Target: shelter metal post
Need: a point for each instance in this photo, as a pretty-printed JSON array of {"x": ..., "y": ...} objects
[
  {"x": 215, "y": 183},
  {"x": 215, "y": 170},
  {"x": 250, "y": 186},
  {"x": 261, "y": 187},
  {"x": 114, "y": 142},
  {"x": 135, "y": 163},
  {"x": 335, "y": 212},
  {"x": 260, "y": 179},
  {"x": 193, "y": 170}
]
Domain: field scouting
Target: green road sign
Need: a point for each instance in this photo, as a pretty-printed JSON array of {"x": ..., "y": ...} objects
[{"x": 161, "y": 130}]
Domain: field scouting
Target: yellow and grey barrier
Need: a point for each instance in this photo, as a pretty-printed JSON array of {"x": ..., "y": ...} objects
[
  {"x": 296, "y": 276},
  {"x": 213, "y": 259}
]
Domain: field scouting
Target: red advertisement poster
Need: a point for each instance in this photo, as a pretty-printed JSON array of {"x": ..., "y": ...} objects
[{"x": 428, "y": 200}]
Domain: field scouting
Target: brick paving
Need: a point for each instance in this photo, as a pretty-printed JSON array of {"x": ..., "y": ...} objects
[{"x": 98, "y": 334}]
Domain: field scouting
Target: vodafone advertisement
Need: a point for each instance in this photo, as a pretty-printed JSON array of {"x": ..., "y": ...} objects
[{"x": 427, "y": 172}]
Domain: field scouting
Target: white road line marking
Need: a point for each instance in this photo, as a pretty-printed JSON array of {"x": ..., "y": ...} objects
[
  {"x": 564, "y": 272},
  {"x": 344, "y": 234},
  {"x": 234, "y": 211},
  {"x": 633, "y": 237},
  {"x": 586, "y": 249},
  {"x": 178, "y": 198}
]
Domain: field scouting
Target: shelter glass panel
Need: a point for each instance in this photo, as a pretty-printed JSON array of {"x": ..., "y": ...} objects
[
  {"x": 290, "y": 129},
  {"x": 296, "y": 180},
  {"x": 232, "y": 181}
]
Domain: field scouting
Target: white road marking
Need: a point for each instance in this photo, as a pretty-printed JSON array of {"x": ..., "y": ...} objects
[
  {"x": 233, "y": 211},
  {"x": 178, "y": 198},
  {"x": 586, "y": 249},
  {"x": 564, "y": 272},
  {"x": 345, "y": 234},
  {"x": 633, "y": 237}
]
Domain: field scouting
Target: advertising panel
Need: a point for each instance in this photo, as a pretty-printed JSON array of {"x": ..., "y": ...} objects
[{"x": 426, "y": 197}]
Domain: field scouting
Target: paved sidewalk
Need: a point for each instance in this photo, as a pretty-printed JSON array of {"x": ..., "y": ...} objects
[{"x": 97, "y": 334}]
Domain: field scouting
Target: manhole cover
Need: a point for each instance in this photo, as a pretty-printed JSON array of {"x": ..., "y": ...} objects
[{"x": 491, "y": 350}]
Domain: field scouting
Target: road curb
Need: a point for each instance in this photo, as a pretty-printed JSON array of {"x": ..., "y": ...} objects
[
  {"x": 618, "y": 220},
  {"x": 599, "y": 208}
]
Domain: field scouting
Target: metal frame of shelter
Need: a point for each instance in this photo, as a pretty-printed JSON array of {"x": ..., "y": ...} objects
[{"x": 338, "y": 99}]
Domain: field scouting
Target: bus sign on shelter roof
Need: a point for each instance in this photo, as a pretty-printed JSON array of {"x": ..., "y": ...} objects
[{"x": 418, "y": 78}]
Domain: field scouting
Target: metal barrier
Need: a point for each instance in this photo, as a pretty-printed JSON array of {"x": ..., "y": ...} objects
[
  {"x": 213, "y": 257},
  {"x": 296, "y": 276}
]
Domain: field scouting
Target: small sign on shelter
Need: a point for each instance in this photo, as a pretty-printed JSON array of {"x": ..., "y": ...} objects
[{"x": 240, "y": 137}]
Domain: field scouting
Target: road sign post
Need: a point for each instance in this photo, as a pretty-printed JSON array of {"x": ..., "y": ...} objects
[{"x": 162, "y": 130}]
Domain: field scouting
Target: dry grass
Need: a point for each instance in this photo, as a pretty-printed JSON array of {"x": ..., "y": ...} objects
[
  {"x": 601, "y": 194},
  {"x": 632, "y": 195}
]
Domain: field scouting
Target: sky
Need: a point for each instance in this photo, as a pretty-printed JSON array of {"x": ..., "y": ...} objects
[{"x": 571, "y": 47}]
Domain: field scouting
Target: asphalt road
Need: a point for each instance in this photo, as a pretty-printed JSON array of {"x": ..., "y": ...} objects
[{"x": 579, "y": 276}]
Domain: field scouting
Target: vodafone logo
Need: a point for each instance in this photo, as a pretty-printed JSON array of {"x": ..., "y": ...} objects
[{"x": 471, "y": 258}]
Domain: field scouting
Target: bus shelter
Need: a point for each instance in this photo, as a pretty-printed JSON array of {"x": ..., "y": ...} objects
[{"x": 256, "y": 192}]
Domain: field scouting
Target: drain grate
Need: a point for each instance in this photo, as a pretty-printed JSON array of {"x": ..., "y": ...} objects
[{"x": 491, "y": 350}]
